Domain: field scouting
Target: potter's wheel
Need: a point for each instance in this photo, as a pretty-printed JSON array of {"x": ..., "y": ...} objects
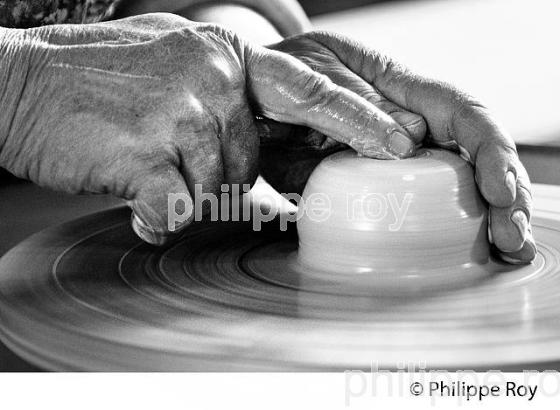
[{"x": 89, "y": 296}]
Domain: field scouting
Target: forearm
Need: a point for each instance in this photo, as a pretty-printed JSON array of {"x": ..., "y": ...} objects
[{"x": 16, "y": 48}]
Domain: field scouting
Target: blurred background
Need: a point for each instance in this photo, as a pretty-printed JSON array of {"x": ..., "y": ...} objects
[{"x": 316, "y": 7}]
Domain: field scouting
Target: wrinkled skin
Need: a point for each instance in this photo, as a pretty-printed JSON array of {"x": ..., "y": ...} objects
[
  {"x": 155, "y": 104},
  {"x": 429, "y": 110}
]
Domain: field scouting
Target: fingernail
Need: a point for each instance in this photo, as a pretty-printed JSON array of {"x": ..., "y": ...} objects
[
  {"x": 526, "y": 254},
  {"x": 490, "y": 237},
  {"x": 400, "y": 144},
  {"x": 511, "y": 260},
  {"x": 531, "y": 241},
  {"x": 147, "y": 233},
  {"x": 374, "y": 150},
  {"x": 463, "y": 153},
  {"x": 519, "y": 218},
  {"x": 510, "y": 183}
]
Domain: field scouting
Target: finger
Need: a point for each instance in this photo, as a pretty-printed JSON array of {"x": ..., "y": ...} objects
[
  {"x": 495, "y": 159},
  {"x": 525, "y": 255},
  {"x": 322, "y": 61},
  {"x": 449, "y": 113},
  {"x": 286, "y": 90},
  {"x": 510, "y": 226},
  {"x": 413, "y": 123},
  {"x": 162, "y": 206}
]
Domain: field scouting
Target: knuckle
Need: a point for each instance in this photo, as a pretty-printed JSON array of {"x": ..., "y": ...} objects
[
  {"x": 504, "y": 233},
  {"x": 462, "y": 102},
  {"x": 523, "y": 200},
  {"x": 160, "y": 20},
  {"x": 177, "y": 37},
  {"x": 316, "y": 89},
  {"x": 387, "y": 72},
  {"x": 320, "y": 35},
  {"x": 155, "y": 156},
  {"x": 361, "y": 57},
  {"x": 463, "y": 105},
  {"x": 495, "y": 158},
  {"x": 217, "y": 30},
  {"x": 524, "y": 191},
  {"x": 522, "y": 175}
]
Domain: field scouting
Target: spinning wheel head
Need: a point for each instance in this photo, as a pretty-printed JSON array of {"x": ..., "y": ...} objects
[
  {"x": 88, "y": 295},
  {"x": 390, "y": 221}
]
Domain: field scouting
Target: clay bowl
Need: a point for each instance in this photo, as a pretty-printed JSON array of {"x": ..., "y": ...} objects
[{"x": 410, "y": 224}]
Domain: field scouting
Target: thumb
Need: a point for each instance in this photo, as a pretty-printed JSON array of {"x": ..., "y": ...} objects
[
  {"x": 162, "y": 207},
  {"x": 287, "y": 90}
]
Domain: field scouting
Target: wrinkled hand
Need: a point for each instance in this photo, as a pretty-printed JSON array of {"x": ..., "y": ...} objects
[
  {"x": 155, "y": 104},
  {"x": 452, "y": 119}
]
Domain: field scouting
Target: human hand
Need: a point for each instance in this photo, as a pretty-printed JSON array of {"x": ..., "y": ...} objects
[
  {"x": 155, "y": 104},
  {"x": 453, "y": 119}
]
